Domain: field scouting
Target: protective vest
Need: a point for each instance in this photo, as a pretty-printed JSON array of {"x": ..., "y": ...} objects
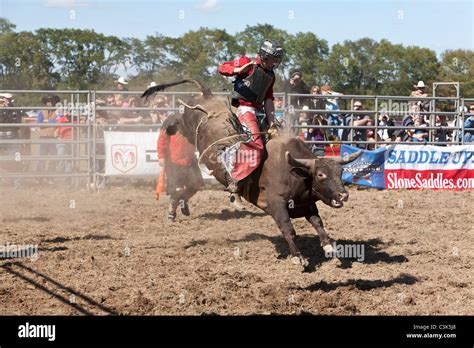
[{"x": 254, "y": 87}]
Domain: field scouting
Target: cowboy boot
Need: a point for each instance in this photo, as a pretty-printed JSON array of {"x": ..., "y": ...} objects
[
  {"x": 234, "y": 187},
  {"x": 172, "y": 209},
  {"x": 184, "y": 207}
]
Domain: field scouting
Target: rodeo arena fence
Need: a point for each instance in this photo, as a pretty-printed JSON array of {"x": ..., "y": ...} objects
[{"x": 97, "y": 150}]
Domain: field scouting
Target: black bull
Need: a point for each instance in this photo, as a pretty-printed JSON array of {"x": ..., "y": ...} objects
[{"x": 289, "y": 180}]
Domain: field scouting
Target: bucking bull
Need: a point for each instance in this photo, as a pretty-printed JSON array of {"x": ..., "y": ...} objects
[{"x": 290, "y": 179}]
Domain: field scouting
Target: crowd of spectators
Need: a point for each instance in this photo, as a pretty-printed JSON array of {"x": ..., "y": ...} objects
[
  {"x": 317, "y": 106},
  {"x": 324, "y": 109}
]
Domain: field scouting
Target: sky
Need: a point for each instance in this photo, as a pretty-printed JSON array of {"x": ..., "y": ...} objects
[{"x": 435, "y": 24}]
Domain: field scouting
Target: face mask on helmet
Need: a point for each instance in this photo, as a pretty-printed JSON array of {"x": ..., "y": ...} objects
[
  {"x": 271, "y": 54},
  {"x": 270, "y": 61}
]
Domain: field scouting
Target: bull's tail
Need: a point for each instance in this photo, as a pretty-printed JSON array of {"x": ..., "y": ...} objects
[{"x": 206, "y": 92}]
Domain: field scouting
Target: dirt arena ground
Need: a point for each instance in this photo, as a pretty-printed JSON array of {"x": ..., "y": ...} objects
[{"x": 114, "y": 253}]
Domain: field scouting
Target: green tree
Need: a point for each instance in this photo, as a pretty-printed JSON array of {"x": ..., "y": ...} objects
[
  {"x": 307, "y": 53},
  {"x": 83, "y": 58},
  {"x": 458, "y": 65},
  {"x": 151, "y": 55},
  {"x": 6, "y": 26},
  {"x": 252, "y": 37},
  {"x": 351, "y": 67},
  {"x": 197, "y": 54},
  {"x": 23, "y": 64}
]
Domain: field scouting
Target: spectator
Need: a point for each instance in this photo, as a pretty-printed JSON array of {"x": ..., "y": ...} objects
[
  {"x": 419, "y": 135},
  {"x": 9, "y": 133},
  {"x": 408, "y": 120},
  {"x": 296, "y": 85},
  {"x": 386, "y": 134},
  {"x": 441, "y": 135},
  {"x": 359, "y": 120},
  {"x": 469, "y": 123},
  {"x": 121, "y": 85},
  {"x": 317, "y": 103},
  {"x": 420, "y": 92},
  {"x": 304, "y": 119},
  {"x": 64, "y": 148},
  {"x": 183, "y": 176},
  {"x": 278, "y": 109},
  {"x": 318, "y": 134},
  {"x": 331, "y": 103},
  {"x": 158, "y": 101},
  {"x": 47, "y": 133},
  {"x": 131, "y": 116}
]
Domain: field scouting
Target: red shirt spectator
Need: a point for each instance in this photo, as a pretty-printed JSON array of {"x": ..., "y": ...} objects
[
  {"x": 227, "y": 69},
  {"x": 64, "y": 132},
  {"x": 175, "y": 148}
]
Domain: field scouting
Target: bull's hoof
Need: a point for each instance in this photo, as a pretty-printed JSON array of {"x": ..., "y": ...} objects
[
  {"x": 328, "y": 249},
  {"x": 236, "y": 202},
  {"x": 299, "y": 260},
  {"x": 171, "y": 216}
]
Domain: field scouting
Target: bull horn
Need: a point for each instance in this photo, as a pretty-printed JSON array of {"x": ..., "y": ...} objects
[
  {"x": 298, "y": 162},
  {"x": 197, "y": 106},
  {"x": 348, "y": 158}
]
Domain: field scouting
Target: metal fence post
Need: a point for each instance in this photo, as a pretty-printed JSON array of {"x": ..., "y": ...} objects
[
  {"x": 290, "y": 111},
  {"x": 89, "y": 165},
  {"x": 351, "y": 131},
  {"x": 376, "y": 121},
  {"x": 462, "y": 115},
  {"x": 94, "y": 142}
]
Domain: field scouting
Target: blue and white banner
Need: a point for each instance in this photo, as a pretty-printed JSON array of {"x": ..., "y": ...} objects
[
  {"x": 412, "y": 167},
  {"x": 367, "y": 169}
]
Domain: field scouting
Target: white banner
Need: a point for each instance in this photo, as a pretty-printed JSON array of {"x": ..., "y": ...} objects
[
  {"x": 429, "y": 157},
  {"x": 429, "y": 167},
  {"x": 133, "y": 154}
]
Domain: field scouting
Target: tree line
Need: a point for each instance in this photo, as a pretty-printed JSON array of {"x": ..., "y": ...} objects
[{"x": 83, "y": 59}]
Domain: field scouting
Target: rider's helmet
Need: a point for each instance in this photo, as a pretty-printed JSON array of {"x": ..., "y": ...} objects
[{"x": 271, "y": 54}]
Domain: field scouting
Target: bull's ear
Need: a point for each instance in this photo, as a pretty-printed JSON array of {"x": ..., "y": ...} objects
[{"x": 300, "y": 172}]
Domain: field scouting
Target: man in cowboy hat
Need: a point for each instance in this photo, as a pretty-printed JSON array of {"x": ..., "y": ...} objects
[
  {"x": 9, "y": 133},
  {"x": 420, "y": 92},
  {"x": 121, "y": 84}
]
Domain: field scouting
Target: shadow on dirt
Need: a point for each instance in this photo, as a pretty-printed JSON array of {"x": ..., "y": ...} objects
[
  {"x": 69, "y": 239},
  {"x": 35, "y": 219},
  {"x": 362, "y": 251},
  {"x": 226, "y": 214},
  {"x": 362, "y": 284},
  {"x": 196, "y": 243},
  {"x": 28, "y": 274}
]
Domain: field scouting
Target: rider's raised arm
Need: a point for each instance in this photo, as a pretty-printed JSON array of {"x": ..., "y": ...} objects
[{"x": 228, "y": 68}]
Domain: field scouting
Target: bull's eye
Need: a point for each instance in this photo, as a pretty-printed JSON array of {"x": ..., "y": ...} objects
[{"x": 321, "y": 176}]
